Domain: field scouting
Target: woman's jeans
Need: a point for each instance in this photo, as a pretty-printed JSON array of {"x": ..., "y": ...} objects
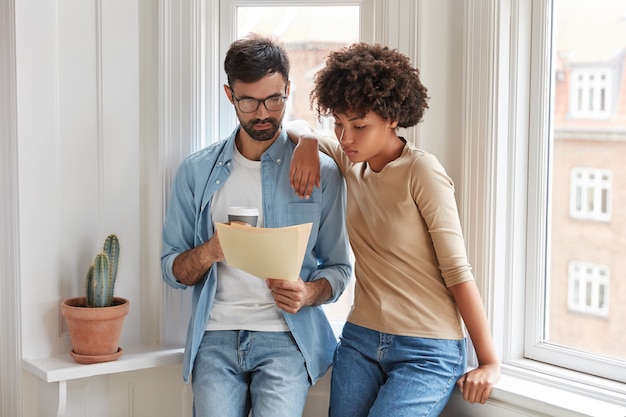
[
  {"x": 236, "y": 370},
  {"x": 382, "y": 375}
]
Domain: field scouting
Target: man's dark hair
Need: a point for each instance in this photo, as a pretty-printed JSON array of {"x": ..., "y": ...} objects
[{"x": 254, "y": 57}]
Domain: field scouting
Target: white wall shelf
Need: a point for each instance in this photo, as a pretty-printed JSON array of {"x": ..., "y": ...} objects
[{"x": 56, "y": 370}]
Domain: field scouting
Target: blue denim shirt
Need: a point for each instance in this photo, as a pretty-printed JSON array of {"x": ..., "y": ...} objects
[{"x": 187, "y": 225}]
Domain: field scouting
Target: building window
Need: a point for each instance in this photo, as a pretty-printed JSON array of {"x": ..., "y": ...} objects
[
  {"x": 590, "y": 194},
  {"x": 590, "y": 93},
  {"x": 588, "y": 289}
]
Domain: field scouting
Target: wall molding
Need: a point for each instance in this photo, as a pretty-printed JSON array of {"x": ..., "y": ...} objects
[
  {"x": 181, "y": 84},
  {"x": 484, "y": 148},
  {"x": 10, "y": 308},
  {"x": 99, "y": 116},
  {"x": 398, "y": 30}
]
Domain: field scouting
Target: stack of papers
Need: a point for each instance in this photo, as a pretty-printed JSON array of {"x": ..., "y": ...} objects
[{"x": 265, "y": 252}]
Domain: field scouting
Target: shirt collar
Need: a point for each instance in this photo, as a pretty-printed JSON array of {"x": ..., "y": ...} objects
[{"x": 276, "y": 152}]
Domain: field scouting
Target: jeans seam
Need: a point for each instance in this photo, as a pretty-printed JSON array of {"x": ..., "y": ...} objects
[{"x": 452, "y": 379}]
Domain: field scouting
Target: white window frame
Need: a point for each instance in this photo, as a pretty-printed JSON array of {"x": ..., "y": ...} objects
[
  {"x": 228, "y": 33},
  {"x": 504, "y": 192},
  {"x": 584, "y": 181},
  {"x": 536, "y": 347},
  {"x": 193, "y": 111},
  {"x": 588, "y": 288}
]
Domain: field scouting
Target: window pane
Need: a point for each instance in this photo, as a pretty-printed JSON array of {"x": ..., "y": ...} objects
[
  {"x": 586, "y": 286},
  {"x": 307, "y": 41},
  {"x": 308, "y": 34}
]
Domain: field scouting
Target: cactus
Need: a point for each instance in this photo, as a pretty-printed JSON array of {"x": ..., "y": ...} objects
[{"x": 102, "y": 274}]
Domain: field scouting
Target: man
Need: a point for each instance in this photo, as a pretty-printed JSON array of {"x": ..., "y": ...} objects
[{"x": 254, "y": 344}]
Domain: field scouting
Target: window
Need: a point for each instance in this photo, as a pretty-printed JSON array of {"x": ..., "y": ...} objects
[
  {"x": 590, "y": 194},
  {"x": 588, "y": 289},
  {"x": 576, "y": 257},
  {"x": 296, "y": 25},
  {"x": 308, "y": 43},
  {"x": 590, "y": 93}
]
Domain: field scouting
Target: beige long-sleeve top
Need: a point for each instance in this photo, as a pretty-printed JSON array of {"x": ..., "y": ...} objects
[{"x": 405, "y": 233}]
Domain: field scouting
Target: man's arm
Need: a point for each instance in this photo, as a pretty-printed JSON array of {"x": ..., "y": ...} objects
[
  {"x": 182, "y": 262},
  {"x": 191, "y": 266}
]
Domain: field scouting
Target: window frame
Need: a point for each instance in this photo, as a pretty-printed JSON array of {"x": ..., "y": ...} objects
[
  {"x": 538, "y": 230},
  {"x": 228, "y": 33},
  {"x": 504, "y": 188}
]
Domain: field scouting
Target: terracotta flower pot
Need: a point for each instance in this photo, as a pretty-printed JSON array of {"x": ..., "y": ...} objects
[{"x": 95, "y": 332}]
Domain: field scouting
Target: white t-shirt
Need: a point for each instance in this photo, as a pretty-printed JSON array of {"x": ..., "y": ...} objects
[{"x": 242, "y": 301}]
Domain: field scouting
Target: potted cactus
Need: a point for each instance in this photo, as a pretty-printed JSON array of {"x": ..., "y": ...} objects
[{"x": 95, "y": 321}]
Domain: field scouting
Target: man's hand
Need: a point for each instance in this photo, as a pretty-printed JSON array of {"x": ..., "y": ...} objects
[{"x": 291, "y": 296}]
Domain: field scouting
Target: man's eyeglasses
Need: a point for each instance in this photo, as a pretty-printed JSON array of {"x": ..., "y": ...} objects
[{"x": 250, "y": 105}]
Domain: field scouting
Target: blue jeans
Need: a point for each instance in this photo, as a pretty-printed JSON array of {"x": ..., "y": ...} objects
[
  {"x": 239, "y": 370},
  {"x": 377, "y": 374}
]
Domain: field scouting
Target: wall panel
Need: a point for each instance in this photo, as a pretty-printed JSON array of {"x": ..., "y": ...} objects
[
  {"x": 79, "y": 167},
  {"x": 155, "y": 392}
]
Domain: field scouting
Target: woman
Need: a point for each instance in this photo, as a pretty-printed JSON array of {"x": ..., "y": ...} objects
[{"x": 403, "y": 346}]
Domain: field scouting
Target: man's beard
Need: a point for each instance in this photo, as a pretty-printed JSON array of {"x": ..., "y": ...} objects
[{"x": 261, "y": 135}]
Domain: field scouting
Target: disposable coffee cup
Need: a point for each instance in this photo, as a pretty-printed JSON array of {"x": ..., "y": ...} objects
[{"x": 248, "y": 215}]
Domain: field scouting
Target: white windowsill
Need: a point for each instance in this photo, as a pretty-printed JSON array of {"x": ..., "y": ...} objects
[
  {"x": 520, "y": 388},
  {"x": 63, "y": 368},
  {"x": 559, "y": 396}
]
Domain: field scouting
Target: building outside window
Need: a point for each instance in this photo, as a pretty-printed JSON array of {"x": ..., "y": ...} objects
[{"x": 586, "y": 230}]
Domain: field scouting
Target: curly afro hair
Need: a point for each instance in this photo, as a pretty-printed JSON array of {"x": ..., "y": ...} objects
[{"x": 370, "y": 77}]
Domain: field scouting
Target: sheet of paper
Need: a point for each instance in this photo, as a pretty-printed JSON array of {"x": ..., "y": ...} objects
[{"x": 265, "y": 252}]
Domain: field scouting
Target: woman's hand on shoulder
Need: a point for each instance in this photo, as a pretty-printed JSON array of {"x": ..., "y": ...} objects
[{"x": 305, "y": 164}]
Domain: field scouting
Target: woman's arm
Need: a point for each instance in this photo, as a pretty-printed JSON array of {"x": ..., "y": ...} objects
[
  {"x": 305, "y": 163},
  {"x": 476, "y": 385}
]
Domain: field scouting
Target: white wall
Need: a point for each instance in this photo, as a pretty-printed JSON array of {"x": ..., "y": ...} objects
[
  {"x": 88, "y": 158},
  {"x": 79, "y": 139}
]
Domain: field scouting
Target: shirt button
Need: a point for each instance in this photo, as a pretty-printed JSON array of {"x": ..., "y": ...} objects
[
  {"x": 217, "y": 182},
  {"x": 278, "y": 160}
]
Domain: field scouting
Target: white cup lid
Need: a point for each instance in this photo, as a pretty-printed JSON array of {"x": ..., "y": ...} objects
[{"x": 243, "y": 211}]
